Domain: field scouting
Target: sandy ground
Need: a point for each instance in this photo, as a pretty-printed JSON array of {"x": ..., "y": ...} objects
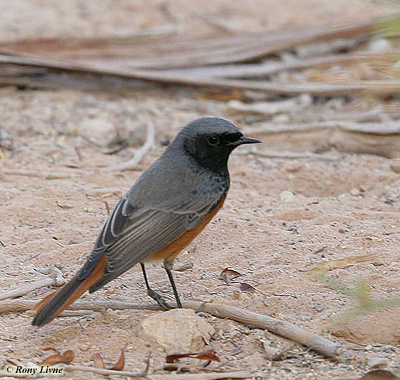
[{"x": 281, "y": 216}]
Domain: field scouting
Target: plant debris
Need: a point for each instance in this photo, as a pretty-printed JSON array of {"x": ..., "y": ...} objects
[
  {"x": 228, "y": 275},
  {"x": 66, "y": 358},
  {"x": 203, "y": 355}
]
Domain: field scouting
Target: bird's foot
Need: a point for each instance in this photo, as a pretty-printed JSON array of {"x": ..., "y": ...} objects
[{"x": 156, "y": 297}]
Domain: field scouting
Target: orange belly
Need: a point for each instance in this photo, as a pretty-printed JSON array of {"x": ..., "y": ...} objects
[{"x": 172, "y": 250}]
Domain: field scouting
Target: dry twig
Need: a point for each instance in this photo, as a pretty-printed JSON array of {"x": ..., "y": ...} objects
[
  {"x": 381, "y": 139},
  {"x": 139, "y": 154},
  {"x": 371, "y": 258},
  {"x": 101, "y": 371},
  {"x": 273, "y": 67},
  {"x": 279, "y": 327},
  {"x": 193, "y": 376},
  {"x": 378, "y": 87},
  {"x": 54, "y": 278}
]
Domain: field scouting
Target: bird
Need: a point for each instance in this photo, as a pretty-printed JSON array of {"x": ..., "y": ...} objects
[{"x": 165, "y": 209}]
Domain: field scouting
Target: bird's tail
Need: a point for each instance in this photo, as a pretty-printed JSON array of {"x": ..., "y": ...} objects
[{"x": 51, "y": 306}]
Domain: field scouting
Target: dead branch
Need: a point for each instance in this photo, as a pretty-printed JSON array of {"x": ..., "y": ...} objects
[
  {"x": 196, "y": 52},
  {"x": 381, "y": 139},
  {"x": 87, "y": 46},
  {"x": 379, "y": 87},
  {"x": 371, "y": 258},
  {"x": 75, "y": 313},
  {"x": 19, "y": 305},
  {"x": 101, "y": 371},
  {"x": 184, "y": 53},
  {"x": 54, "y": 278},
  {"x": 270, "y": 108},
  {"x": 139, "y": 154},
  {"x": 279, "y": 327},
  {"x": 295, "y": 104},
  {"x": 75, "y": 81},
  {"x": 371, "y": 128},
  {"x": 273, "y": 67},
  {"x": 193, "y": 376}
]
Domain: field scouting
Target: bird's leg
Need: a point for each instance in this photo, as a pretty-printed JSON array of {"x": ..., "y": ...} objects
[
  {"x": 168, "y": 265},
  {"x": 156, "y": 297}
]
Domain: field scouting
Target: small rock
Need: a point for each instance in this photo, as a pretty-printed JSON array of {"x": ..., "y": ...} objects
[
  {"x": 287, "y": 196},
  {"x": 177, "y": 330},
  {"x": 293, "y": 168},
  {"x": 239, "y": 296},
  {"x": 379, "y": 45},
  {"x": 271, "y": 353},
  {"x": 377, "y": 362},
  {"x": 98, "y": 127},
  {"x": 318, "y": 308}
]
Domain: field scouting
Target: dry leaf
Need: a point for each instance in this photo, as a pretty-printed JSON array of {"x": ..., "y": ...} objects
[
  {"x": 65, "y": 358},
  {"x": 244, "y": 287},
  {"x": 51, "y": 349},
  {"x": 203, "y": 355},
  {"x": 9, "y": 361},
  {"x": 208, "y": 355},
  {"x": 119, "y": 365},
  {"x": 228, "y": 275},
  {"x": 379, "y": 374},
  {"x": 98, "y": 360},
  {"x": 63, "y": 205}
]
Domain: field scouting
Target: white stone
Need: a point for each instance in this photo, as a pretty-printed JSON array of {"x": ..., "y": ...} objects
[
  {"x": 377, "y": 362},
  {"x": 97, "y": 130},
  {"x": 287, "y": 196},
  {"x": 178, "y": 330}
]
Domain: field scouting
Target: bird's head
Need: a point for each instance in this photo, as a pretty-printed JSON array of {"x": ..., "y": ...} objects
[{"x": 210, "y": 140}]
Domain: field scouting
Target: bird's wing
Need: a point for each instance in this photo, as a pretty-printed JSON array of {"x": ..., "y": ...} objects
[{"x": 133, "y": 232}]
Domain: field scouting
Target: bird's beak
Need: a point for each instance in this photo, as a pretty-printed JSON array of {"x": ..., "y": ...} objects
[
  {"x": 245, "y": 140},
  {"x": 248, "y": 140}
]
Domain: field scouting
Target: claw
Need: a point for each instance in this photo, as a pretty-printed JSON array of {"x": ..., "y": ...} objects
[{"x": 156, "y": 297}]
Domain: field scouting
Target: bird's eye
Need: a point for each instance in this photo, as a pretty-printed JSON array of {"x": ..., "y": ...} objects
[{"x": 213, "y": 140}]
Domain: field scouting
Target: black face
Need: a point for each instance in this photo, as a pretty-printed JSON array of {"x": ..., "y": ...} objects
[
  {"x": 223, "y": 140},
  {"x": 212, "y": 149},
  {"x": 210, "y": 140}
]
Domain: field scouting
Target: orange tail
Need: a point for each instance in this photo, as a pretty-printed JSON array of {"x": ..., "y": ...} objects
[{"x": 51, "y": 306}]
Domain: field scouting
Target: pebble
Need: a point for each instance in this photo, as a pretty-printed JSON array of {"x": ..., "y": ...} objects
[
  {"x": 379, "y": 45},
  {"x": 287, "y": 196},
  {"x": 377, "y": 362},
  {"x": 178, "y": 330},
  {"x": 271, "y": 353}
]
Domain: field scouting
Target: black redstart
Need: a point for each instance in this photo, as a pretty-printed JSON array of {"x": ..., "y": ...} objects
[{"x": 167, "y": 207}]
